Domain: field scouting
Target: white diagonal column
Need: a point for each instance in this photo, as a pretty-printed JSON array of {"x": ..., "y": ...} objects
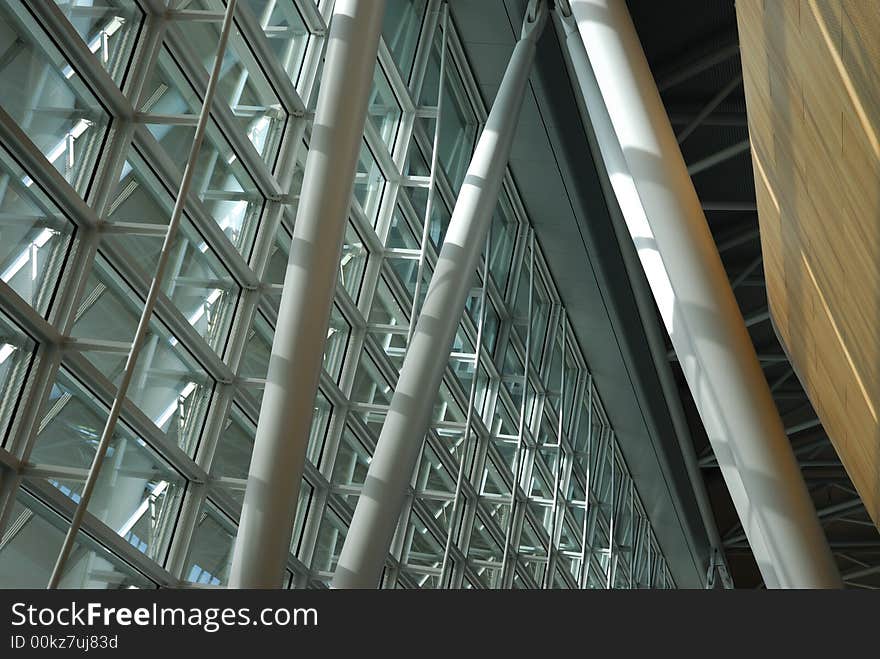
[
  {"x": 378, "y": 509},
  {"x": 688, "y": 280},
  {"x": 264, "y": 533}
]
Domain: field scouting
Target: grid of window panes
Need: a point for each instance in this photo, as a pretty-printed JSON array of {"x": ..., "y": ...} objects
[{"x": 520, "y": 482}]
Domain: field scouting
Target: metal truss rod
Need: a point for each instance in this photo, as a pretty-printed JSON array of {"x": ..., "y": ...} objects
[
  {"x": 150, "y": 303},
  {"x": 757, "y": 317},
  {"x": 379, "y": 506},
  {"x": 693, "y": 67},
  {"x": 263, "y": 542},
  {"x": 825, "y": 514},
  {"x": 730, "y": 206},
  {"x": 709, "y": 108},
  {"x": 682, "y": 117},
  {"x": 719, "y": 157},
  {"x": 737, "y": 281}
]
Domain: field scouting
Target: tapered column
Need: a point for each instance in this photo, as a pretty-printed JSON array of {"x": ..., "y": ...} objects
[
  {"x": 687, "y": 278},
  {"x": 267, "y": 516},
  {"x": 379, "y": 506}
]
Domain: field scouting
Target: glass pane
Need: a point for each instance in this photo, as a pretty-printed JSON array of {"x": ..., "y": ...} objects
[
  {"x": 34, "y": 237},
  {"x": 210, "y": 552},
  {"x": 458, "y": 131},
  {"x": 400, "y": 30},
  {"x": 169, "y": 386},
  {"x": 352, "y": 460},
  {"x": 353, "y": 262},
  {"x": 285, "y": 30},
  {"x": 16, "y": 355},
  {"x": 137, "y": 494},
  {"x": 196, "y": 281},
  {"x": 109, "y": 28},
  {"x": 383, "y": 110},
  {"x": 368, "y": 184},
  {"x": 331, "y": 536},
  {"x": 31, "y": 544},
  {"x": 242, "y": 86},
  {"x": 232, "y": 456},
  {"x": 221, "y": 182},
  {"x": 55, "y": 109}
]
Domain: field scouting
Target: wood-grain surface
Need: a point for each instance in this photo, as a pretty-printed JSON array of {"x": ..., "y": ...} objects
[{"x": 812, "y": 82}]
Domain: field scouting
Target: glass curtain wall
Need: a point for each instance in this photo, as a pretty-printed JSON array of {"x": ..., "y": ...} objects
[{"x": 520, "y": 483}]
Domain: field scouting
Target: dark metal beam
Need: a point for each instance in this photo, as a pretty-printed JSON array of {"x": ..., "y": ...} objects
[
  {"x": 719, "y": 157},
  {"x": 687, "y": 68}
]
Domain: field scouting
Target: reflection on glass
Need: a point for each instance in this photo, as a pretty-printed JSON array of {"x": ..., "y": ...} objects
[
  {"x": 136, "y": 494},
  {"x": 55, "y": 109},
  {"x": 383, "y": 110},
  {"x": 109, "y": 28},
  {"x": 16, "y": 355},
  {"x": 400, "y": 30},
  {"x": 368, "y": 184},
  {"x": 169, "y": 386},
  {"x": 31, "y": 544}
]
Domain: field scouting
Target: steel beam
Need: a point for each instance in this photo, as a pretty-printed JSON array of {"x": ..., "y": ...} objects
[{"x": 719, "y": 157}]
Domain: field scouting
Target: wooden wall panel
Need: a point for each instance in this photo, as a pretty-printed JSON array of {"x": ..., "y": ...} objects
[{"x": 812, "y": 81}]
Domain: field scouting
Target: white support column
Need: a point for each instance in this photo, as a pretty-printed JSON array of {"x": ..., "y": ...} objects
[
  {"x": 687, "y": 278},
  {"x": 409, "y": 417},
  {"x": 266, "y": 526}
]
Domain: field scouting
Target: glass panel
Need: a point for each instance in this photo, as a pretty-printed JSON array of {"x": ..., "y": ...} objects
[
  {"x": 210, "y": 553},
  {"x": 421, "y": 546},
  {"x": 503, "y": 240},
  {"x": 383, "y": 110},
  {"x": 221, "y": 182},
  {"x": 352, "y": 460},
  {"x": 169, "y": 386},
  {"x": 109, "y": 28},
  {"x": 137, "y": 494},
  {"x": 55, "y": 109},
  {"x": 285, "y": 30},
  {"x": 242, "y": 86},
  {"x": 331, "y": 536},
  {"x": 16, "y": 356},
  {"x": 31, "y": 544},
  {"x": 196, "y": 281},
  {"x": 458, "y": 131},
  {"x": 400, "y": 30},
  {"x": 353, "y": 262},
  {"x": 368, "y": 184},
  {"x": 34, "y": 236}
]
